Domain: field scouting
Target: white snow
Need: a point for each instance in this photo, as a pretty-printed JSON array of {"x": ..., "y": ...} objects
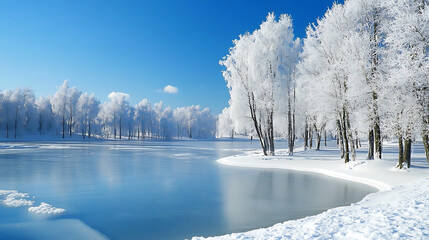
[
  {"x": 45, "y": 208},
  {"x": 398, "y": 211}
]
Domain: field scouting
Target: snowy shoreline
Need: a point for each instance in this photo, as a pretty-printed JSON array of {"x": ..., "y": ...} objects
[
  {"x": 240, "y": 161},
  {"x": 398, "y": 210}
]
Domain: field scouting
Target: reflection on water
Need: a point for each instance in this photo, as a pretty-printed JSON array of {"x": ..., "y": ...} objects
[
  {"x": 281, "y": 195},
  {"x": 162, "y": 190}
]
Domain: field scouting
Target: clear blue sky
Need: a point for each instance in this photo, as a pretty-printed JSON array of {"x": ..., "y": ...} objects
[{"x": 136, "y": 47}]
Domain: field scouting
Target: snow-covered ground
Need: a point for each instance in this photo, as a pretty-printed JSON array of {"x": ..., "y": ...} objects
[{"x": 398, "y": 211}]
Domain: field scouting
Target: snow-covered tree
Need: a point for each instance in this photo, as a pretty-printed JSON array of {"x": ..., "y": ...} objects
[
  {"x": 406, "y": 92},
  {"x": 323, "y": 74},
  {"x": 225, "y": 126},
  {"x": 87, "y": 110},
  {"x": 194, "y": 122},
  {"x": 69, "y": 109},
  {"x": 12, "y": 111},
  {"x": 118, "y": 108},
  {"x": 64, "y": 104},
  {"x": 256, "y": 73},
  {"x": 29, "y": 110},
  {"x": 130, "y": 121},
  {"x": 45, "y": 118},
  {"x": 144, "y": 118}
]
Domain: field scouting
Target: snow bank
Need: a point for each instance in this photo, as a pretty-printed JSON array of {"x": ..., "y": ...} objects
[
  {"x": 45, "y": 208},
  {"x": 380, "y": 174},
  {"x": 395, "y": 212}
]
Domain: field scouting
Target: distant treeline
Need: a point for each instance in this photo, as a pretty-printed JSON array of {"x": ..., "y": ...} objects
[{"x": 71, "y": 112}]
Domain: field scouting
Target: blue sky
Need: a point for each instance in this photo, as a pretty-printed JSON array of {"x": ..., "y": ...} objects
[{"x": 136, "y": 47}]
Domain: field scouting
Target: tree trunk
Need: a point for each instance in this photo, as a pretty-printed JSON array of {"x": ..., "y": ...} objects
[
  {"x": 324, "y": 133},
  {"x": 272, "y": 152},
  {"x": 16, "y": 122},
  {"x": 374, "y": 70},
  {"x": 407, "y": 152},
  {"x": 340, "y": 137},
  {"x": 71, "y": 119},
  {"x": 251, "y": 99},
  {"x": 64, "y": 125},
  {"x": 346, "y": 140},
  {"x": 310, "y": 136},
  {"x": 266, "y": 137},
  {"x": 357, "y": 140},
  {"x": 401, "y": 152},
  {"x": 271, "y": 132},
  {"x": 426, "y": 145},
  {"x": 371, "y": 144},
  {"x": 350, "y": 137},
  {"x": 114, "y": 125},
  {"x": 319, "y": 137},
  {"x": 289, "y": 127},
  {"x": 293, "y": 120},
  {"x": 40, "y": 123},
  {"x": 264, "y": 147},
  {"x": 120, "y": 127},
  {"x": 377, "y": 140},
  {"x": 306, "y": 135}
]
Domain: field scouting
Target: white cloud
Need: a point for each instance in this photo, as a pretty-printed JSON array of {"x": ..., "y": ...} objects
[
  {"x": 14, "y": 198},
  {"x": 45, "y": 208},
  {"x": 170, "y": 89}
]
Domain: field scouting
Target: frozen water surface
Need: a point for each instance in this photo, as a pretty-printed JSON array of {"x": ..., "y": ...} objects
[{"x": 155, "y": 190}]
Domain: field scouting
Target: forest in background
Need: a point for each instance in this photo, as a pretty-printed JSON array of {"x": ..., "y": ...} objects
[{"x": 69, "y": 112}]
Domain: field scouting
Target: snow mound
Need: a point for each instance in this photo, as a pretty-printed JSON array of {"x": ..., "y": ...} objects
[
  {"x": 13, "y": 198},
  {"x": 400, "y": 213},
  {"x": 45, "y": 208}
]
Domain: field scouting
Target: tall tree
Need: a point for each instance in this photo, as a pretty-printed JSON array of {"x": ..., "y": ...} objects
[
  {"x": 407, "y": 61},
  {"x": 256, "y": 75}
]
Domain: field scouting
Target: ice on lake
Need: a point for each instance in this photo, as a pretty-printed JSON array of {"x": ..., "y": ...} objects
[{"x": 156, "y": 189}]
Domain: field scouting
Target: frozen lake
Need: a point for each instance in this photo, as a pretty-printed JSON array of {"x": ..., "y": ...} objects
[{"x": 156, "y": 189}]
